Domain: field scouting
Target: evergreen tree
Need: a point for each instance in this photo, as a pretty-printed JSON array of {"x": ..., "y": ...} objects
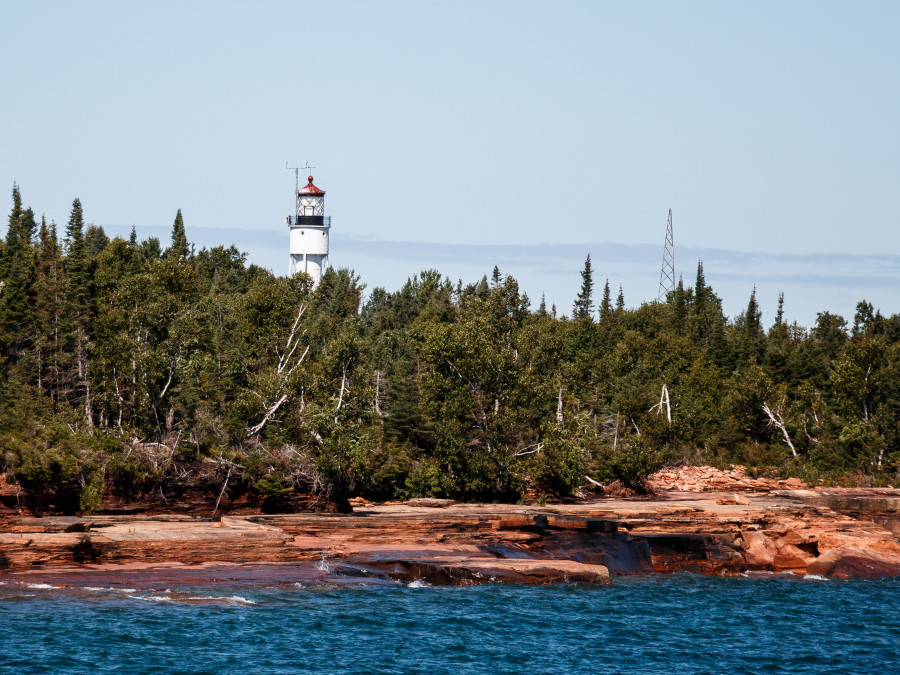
[
  {"x": 680, "y": 305},
  {"x": 495, "y": 277},
  {"x": 753, "y": 317},
  {"x": 865, "y": 318},
  {"x": 179, "y": 249},
  {"x": 76, "y": 312},
  {"x": 620, "y": 300},
  {"x": 95, "y": 240},
  {"x": 47, "y": 314},
  {"x": 584, "y": 303},
  {"x": 606, "y": 303},
  {"x": 542, "y": 308},
  {"x": 779, "y": 315},
  {"x": 17, "y": 276},
  {"x": 700, "y": 289}
]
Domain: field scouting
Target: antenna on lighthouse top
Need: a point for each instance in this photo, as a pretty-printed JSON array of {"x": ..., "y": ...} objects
[
  {"x": 287, "y": 165},
  {"x": 667, "y": 274},
  {"x": 307, "y": 167}
]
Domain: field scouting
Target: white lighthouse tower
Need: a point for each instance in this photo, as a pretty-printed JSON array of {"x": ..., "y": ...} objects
[{"x": 309, "y": 231}]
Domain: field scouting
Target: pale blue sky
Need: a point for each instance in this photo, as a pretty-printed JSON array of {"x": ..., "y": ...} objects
[{"x": 768, "y": 127}]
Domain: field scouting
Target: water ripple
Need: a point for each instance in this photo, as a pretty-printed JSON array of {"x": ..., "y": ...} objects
[{"x": 662, "y": 624}]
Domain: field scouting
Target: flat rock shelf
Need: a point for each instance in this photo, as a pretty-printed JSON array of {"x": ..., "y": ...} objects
[{"x": 823, "y": 532}]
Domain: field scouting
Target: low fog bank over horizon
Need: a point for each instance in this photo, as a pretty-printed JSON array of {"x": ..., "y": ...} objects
[{"x": 811, "y": 283}]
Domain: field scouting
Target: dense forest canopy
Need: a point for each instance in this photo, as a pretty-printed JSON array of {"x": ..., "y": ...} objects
[{"x": 120, "y": 359}]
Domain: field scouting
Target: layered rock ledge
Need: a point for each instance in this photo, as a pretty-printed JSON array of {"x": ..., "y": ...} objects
[{"x": 833, "y": 533}]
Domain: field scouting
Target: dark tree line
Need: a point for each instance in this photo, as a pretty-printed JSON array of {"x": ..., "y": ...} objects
[{"x": 120, "y": 359}]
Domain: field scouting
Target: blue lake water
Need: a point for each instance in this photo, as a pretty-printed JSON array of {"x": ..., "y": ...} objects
[{"x": 657, "y": 624}]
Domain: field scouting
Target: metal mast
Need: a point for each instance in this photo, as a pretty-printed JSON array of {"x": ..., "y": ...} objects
[
  {"x": 667, "y": 274},
  {"x": 287, "y": 165}
]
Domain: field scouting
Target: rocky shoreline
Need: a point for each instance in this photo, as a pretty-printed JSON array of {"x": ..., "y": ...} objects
[{"x": 843, "y": 533}]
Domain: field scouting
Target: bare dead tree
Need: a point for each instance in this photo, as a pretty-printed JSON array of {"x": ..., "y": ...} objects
[
  {"x": 344, "y": 388},
  {"x": 559, "y": 409},
  {"x": 776, "y": 419},
  {"x": 663, "y": 399},
  {"x": 529, "y": 450},
  {"x": 377, "y": 403},
  {"x": 288, "y": 362},
  {"x": 231, "y": 467}
]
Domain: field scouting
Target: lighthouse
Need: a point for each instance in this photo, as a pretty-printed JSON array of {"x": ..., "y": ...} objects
[{"x": 309, "y": 232}]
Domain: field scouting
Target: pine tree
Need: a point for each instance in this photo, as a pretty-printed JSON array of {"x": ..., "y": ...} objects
[
  {"x": 495, "y": 277},
  {"x": 606, "y": 303},
  {"x": 542, "y": 308},
  {"x": 753, "y": 317},
  {"x": 679, "y": 304},
  {"x": 17, "y": 277},
  {"x": 47, "y": 308},
  {"x": 179, "y": 248},
  {"x": 700, "y": 290},
  {"x": 95, "y": 240},
  {"x": 779, "y": 315},
  {"x": 76, "y": 309},
  {"x": 584, "y": 303},
  {"x": 620, "y": 300},
  {"x": 863, "y": 319}
]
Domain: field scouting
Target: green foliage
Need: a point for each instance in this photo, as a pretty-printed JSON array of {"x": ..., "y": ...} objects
[
  {"x": 584, "y": 303},
  {"x": 119, "y": 360}
]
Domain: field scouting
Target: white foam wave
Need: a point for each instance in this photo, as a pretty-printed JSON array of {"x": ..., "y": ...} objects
[
  {"x": 97, "y": 589},
  {"x": 40, "y": 586},
  {"x": 152, "y": 598},
  {"x": 816, "y": 577},
  {"x": 220, "y": 598},
  {"x": 417, "y": 583}
]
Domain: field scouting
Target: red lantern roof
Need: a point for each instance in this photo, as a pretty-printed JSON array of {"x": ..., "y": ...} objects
[{"x": 310, "y": 189}]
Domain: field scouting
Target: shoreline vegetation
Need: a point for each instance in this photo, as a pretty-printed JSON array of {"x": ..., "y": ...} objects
[{"x": 137, "y": 374}]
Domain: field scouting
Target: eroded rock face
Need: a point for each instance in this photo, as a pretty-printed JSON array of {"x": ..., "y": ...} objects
[
  {"x": 855, "y": 563},
  {"x": 708, "y": 478},
  {"x": 464, "y": 544}
]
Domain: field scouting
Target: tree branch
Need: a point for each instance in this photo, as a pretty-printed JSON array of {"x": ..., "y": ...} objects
[{"x": 776, "y": 420}]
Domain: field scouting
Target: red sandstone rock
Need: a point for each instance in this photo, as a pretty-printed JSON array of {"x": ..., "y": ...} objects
[
  {"x": 532, "y": 545},
  {"x": 430, "y": 502},
  {"x": 846, "y": 563}
]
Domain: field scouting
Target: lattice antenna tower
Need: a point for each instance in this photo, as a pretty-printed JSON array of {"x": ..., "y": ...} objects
[{"x": 667, "y": 274}]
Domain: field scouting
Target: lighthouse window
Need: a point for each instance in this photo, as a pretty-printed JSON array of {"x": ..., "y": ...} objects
[{"x": 324, "y": 234}]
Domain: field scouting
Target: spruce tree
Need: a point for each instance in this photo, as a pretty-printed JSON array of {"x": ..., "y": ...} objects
[
  {"x": 76, "y": 310},
  {"x": 779, "y": 315},
  {"x": 679, "y": 304},
  {"x": 620, "y": 300},
  {"x": 17, "y": 277},
  {"x": 179, "y": 248},
  {"x": 584, "y": 303},
  {"x": 606, "y": 303},
  {"x": 47, "y": 308},
  {"x": 495, "y": 277},
  {"x": 753, "y": 317},
  {"x": 700, "y": 293}
]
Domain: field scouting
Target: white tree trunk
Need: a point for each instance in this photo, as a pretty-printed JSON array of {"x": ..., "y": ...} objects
[
  {"x": 777, "y": 420},
  {"x": 559, "y": 409}
]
